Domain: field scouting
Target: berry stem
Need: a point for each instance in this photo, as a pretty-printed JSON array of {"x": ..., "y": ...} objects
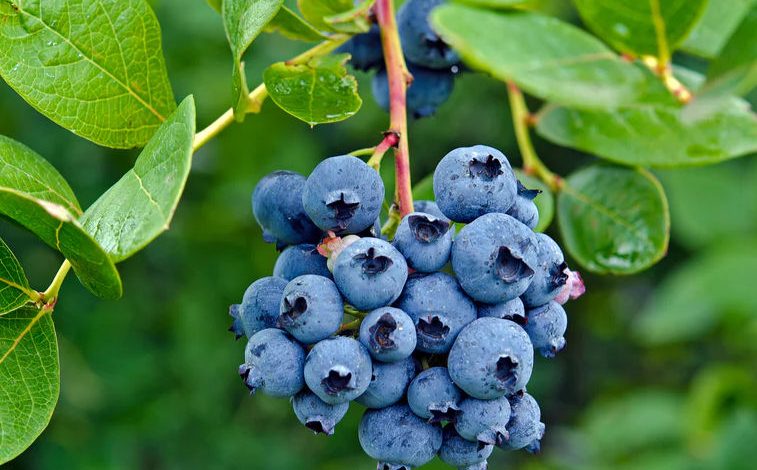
[
  {"x": 350, "y": 310},
  {"x": 665, "y": 72},
  {"x": 259, "y": 94},
  {"x": 390, "y": 140},
  {"x": 51, "y": 293},
  {"x": 532, "y": 164},
  {"x": 399, "y": 78},
  {"x": 352, "y": 325}
]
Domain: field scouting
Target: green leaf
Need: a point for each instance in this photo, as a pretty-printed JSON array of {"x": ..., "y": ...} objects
[
  {"x": 215, "y": 4},
  {"x": 545, "y": 202},
  {"x": 735, "y": 70},
  {"x": 424, "y": 189},
  {"x": 139, "y": 207},
  {"x": 654, "y": 27},
  {"x": 720, "y": 20},
  {"x": 500, "y": 4},
  {"x": 548, "y": 57},
  {"x": 33, "y": 194},
  {"x": 290, "y": 25},
  {"x": 317, "y": 93},
  {"x": 661, "y": 136},
  {"x": 29, "y": 378},
  {"x": 14, "y": 287},
  {"x": 244, "y": 20},
  {"x": 324, "y": 15},
  {"x": 700, "y": 293},
  {"x": 614, "y": 220},
  {"x": 93, "y": 67}
]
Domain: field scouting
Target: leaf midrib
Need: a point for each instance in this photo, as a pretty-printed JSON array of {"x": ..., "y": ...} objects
[
  {"x": 23, "y": 333},
  {"x": 128, "y": 89}
]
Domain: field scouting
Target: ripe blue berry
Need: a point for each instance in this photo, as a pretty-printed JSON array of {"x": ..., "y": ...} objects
[
  {"x": 388, "y": 383},
  {"x": 491, "y": 358},
  {"x": 338, "y": 370},
  {"x": 273, "y": 364},
  {"x": 370, "y": 273},
  {"x": 397, "y": 438},
  {"x": 317, "y": 415},
  {"x": 550, "y": 273},
  {"x": 424, "y": 240},
  {"x": 277, "y": 206},
  {"x": 389, "y": 334},
  {"x": 494, "y": 258},
  {"x": 525, "y": 427},
  {"x": 365, "y": 50},
  {"x": 343, "y": 195},
  {"x": 524, "y": 208},
  {"x": 297, "y": 260},
  {"x": 439, "y": 308},
  {"x": 546, "y": 326},
  {"x": 472, "y": 181},
  {"x": 433, "y": 396},
  {"x": 462, "y": 453},
  {"x": 429, "y": 90},
  {"x": 512, "y": 310},
  {"x": 484, "y": 421},
  {"x": 430, "y": 207},
  {"x": 259, "y": 308},
  {"x": 311, "y": 308},
  {"x": 420, "y": 43}
]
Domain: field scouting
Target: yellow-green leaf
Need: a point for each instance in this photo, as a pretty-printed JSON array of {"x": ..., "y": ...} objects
[{"x": 14, "y": 287}]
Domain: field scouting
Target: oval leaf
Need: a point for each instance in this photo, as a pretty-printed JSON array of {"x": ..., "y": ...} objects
[
  {"x": 94, "y": 67},
  {"x": 29, "y": 378},
  {"x": 36, "y": 196},
  {"x": 719, "y": 21},
  {"x": 317, "y": 93},
  {"x": 660, "y": 136},
  {"x": 139, "y": 207},
  {"x": 614, "y": 220},
  {"x": 14, "y": 287},
  {"x": 545, "y": 201},
  {"x": 653, "y": 27},
  {"x": 326, "y": 15},
  {"x": 735, "y": 69},
  {"x": 546, "y": 57},
  {"x": 290, "y": 25}
]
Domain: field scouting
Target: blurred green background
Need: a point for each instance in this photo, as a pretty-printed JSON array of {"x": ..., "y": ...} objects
[{"x": 660, "y": 369}]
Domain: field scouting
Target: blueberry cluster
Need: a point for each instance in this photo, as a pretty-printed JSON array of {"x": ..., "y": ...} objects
[
  {"x": 445, "y": 325},
  {"x": 431, "y": 62}
]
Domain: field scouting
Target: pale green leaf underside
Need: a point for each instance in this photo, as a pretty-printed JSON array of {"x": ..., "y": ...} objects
[
  {"x": 290, "y": 25},
  {"x": 139, "y": 207},
  {"x": 316, "y": 12},
  {"x": 546, "y": 57},
  {"x": 29, "y": 378},
  {"x": 545, "y": 202},
  {"x": 614, "y": 220},
  {"x": 652, "y": 27},
  {"x": 95, "y": 67},
  {"x": 720, "y": 20},
  {"x": 317, "y": 93},
  {"x": 14, "y": 286},
  {"x": 659, "y": 136}
]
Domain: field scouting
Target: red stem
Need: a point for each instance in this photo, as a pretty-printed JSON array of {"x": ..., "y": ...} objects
[{"x": 399, "y": 78}]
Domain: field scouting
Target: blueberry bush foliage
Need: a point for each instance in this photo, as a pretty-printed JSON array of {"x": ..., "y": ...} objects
[{"x": 611, "y": 89}]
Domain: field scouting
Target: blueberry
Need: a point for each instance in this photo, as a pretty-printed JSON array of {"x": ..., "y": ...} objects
[
  {"x": 525, "y": 427},
  {"x": 338, "y": 370},
  {"x": 420, "y": 43},
  {"x": 472, "y": 181},
  {"x": 461, "y": 453},
  {"x": 550, "y": 273},
  {"x": 424, "y": 240},
  {"x": 397, "y": 438},
  {"x": 365, "y": 50},
  {"x": 484, "y": 421},
  {"x": 298, "y": 260},
  {"x": 491, "y": 358},
  {"x": 494, "y": 258},
  {"x": 389, "y": 334},
  {"x": 429, "y": 90},
  {"x": 430, "y": 207},
  {"x": 343, "y": 194},
  {"x": 546, "y": 326},
  {"x": 311, "y": 308},
  {"x": 259, "y": 308},
  {"x": 273, "y": 364},
  {"x": 277, "y": 206},
  {"x": 512, "y": 310},
  {"x": 370, "y": 273},
  {"x": 439, "y": 308},
  {"x": 524, "y": 208},
  {"x": 433, "y": 396},
  {"x": 317, "y": 415},
  {"x": 388, "y": 383}
]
